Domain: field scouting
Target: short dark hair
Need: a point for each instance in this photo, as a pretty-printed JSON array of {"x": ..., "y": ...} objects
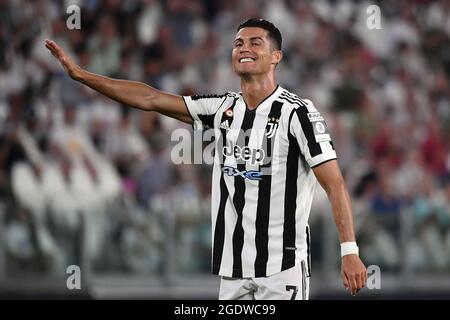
[{"x": 274, "y": 33}]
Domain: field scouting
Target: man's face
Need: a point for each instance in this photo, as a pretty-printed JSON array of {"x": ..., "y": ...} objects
[{"x": 253, "y": 52}]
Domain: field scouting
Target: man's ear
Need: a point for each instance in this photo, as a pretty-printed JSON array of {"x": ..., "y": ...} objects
[{"x": 277, "y": 55}]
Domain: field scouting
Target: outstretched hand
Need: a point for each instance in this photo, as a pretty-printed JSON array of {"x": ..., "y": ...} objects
[
  {"x": 68, "y": 64},
  {"x": 354, "y": 273}
]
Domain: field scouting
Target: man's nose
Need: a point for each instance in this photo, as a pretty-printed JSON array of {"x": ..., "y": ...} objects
[{"x": 245, "y": 47}]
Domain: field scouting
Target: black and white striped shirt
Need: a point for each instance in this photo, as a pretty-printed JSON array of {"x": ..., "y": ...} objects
[{"x": 263, "y": 184}]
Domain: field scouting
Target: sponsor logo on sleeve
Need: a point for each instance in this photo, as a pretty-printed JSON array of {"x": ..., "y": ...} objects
[{"x": 321, "y": 133}]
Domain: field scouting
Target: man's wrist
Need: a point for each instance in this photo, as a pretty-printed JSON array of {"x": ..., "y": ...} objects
[
  {"x": 78, "y": 74},
  {"x": 349, "y": 247}
]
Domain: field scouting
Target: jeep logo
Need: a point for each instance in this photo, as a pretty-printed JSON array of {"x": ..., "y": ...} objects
[{"x": 247, "y": 154}]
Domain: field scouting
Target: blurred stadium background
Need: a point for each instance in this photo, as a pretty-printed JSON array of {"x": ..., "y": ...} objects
[{"x": 85, "y": 181}]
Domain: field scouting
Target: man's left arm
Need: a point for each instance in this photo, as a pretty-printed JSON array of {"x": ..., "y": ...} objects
[{"x": 354, "y": 273}]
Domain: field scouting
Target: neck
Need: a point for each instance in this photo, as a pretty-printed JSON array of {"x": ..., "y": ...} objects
[{"x": 255, "y": 90}]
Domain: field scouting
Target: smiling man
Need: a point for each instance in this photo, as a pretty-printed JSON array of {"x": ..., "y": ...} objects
[{"x": 271, "y": 148}]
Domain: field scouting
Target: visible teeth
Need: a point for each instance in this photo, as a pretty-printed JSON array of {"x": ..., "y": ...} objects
[{"x": 246, "y": 60}]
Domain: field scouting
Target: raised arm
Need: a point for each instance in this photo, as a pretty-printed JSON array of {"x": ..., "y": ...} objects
[
  {"x": 132, "y": 93},
  {"x": 354, "y": 274}
]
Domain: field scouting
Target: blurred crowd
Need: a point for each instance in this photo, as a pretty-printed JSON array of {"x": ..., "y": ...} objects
[{"x": 82, "y": 177}]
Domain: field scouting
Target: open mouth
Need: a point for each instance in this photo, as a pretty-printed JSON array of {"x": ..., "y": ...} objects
[{"x": 243, "y": 60}]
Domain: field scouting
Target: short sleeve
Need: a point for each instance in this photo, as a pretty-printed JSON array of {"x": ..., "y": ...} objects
[
  {"x": 203, "y": 108},
  {"x": 310, "y": 130}
]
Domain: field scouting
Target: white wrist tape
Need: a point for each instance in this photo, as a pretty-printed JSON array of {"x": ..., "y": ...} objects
[{"x": 349, "y": 248}]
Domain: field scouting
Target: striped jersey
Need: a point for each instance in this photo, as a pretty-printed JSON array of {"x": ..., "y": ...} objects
[{"x": 262, "y": 185}]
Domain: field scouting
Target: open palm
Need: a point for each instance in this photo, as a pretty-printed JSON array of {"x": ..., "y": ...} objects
[{"x": 68, "y": 64}]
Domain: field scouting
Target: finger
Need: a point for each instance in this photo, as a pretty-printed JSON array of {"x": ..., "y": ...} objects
[
  {"x": 54, "y": 54},
  {"x": 53, "y": 47},
  {"x": 58, "y": 55},
  {"x": 353, "y": 284},
  {"x": 345, "y": 280},
  {"x": 51, "y": 43},
  {"x": 364, "y": 277},
  {"x": 359, "y": 282}
]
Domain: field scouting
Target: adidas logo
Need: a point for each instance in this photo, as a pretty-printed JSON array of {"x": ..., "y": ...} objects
[{"x": 225, "y": 125}]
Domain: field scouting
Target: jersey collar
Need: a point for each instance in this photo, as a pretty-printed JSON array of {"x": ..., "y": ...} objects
[{"x": 267, "y": 100}]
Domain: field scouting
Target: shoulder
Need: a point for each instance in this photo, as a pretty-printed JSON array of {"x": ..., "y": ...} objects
[
  {"x": 294, "y": 100},
  {"x": 295, "y": 104}
]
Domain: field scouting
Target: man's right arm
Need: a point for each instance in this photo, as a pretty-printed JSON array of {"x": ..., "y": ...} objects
[{"x": 132, "y": 93}]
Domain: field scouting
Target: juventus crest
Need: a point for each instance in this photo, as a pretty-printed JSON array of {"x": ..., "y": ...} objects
[{"x": 272, "y": 126}]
